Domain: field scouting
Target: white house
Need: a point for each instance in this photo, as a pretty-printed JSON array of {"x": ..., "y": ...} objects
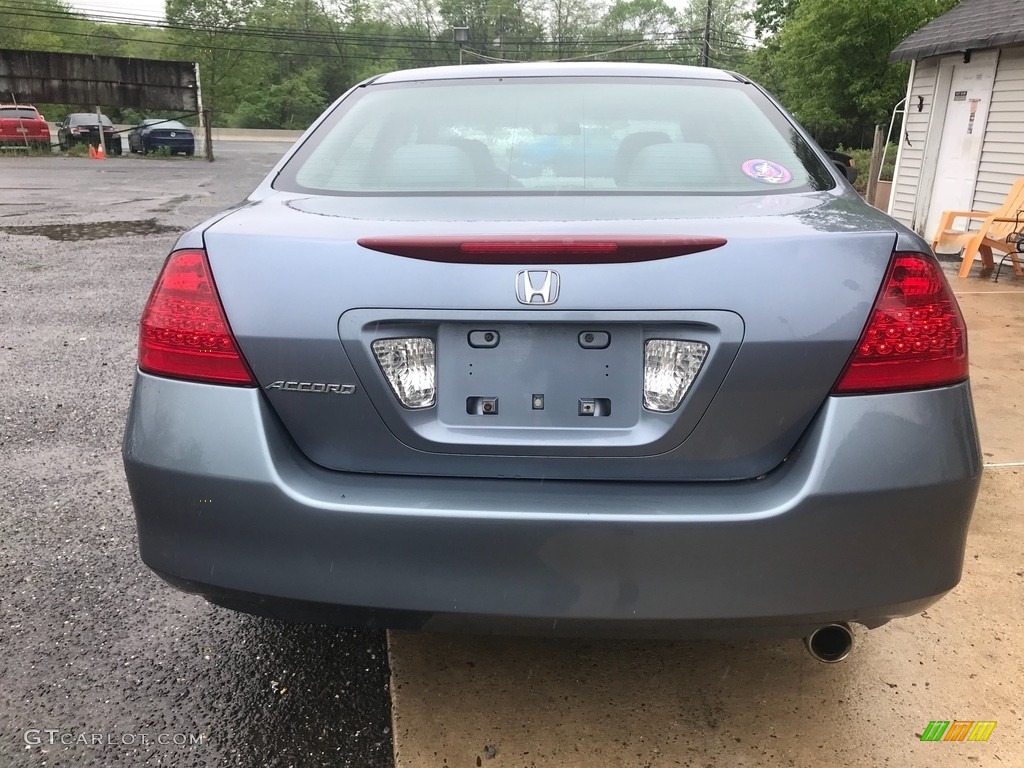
[{"x": 963, "y": 129}]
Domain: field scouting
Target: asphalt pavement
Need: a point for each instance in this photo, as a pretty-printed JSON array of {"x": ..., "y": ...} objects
[{"x": 101, "y": 663}]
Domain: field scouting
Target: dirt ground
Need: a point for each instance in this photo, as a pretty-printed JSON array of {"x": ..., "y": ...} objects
[{"x": 465, "y": 701}]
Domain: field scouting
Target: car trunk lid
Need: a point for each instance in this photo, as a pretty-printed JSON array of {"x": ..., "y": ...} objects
[{"x": 778, "y": 307}]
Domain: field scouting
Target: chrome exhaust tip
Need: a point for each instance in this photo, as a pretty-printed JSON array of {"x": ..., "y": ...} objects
[{"x": 830, "y": 643}]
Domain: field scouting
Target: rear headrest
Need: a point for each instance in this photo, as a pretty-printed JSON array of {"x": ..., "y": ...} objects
[
  {"x": 428, "y": 166},
  {"x": 628, "y": 149},
  {"x": 674, "y": 166}
]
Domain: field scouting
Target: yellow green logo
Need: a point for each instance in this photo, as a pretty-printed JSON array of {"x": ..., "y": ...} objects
[{"x": 958, "y": 730}]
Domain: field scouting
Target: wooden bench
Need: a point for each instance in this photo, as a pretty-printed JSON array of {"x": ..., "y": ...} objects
[{"x": 995, "y": 226}]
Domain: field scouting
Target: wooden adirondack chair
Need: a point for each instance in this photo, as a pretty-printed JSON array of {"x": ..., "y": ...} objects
[{"x": 995, "y": 226}]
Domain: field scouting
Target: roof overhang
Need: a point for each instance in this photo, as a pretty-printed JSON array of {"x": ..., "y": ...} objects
[{"x": 972, "y": 26}]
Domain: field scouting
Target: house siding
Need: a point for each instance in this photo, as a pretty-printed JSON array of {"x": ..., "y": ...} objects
[
  {"x": 1002, "y": 156},
  {"x": 905, "y": 185}
]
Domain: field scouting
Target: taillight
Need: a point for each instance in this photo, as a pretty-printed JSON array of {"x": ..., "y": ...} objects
[
  {"x": 542, "y": 249},
  {"x": 184, "y": 333},
  {"x": 915, "y": 336}
]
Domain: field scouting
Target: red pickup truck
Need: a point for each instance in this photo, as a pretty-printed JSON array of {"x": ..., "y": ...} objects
[{"x": 21, "y": 125}]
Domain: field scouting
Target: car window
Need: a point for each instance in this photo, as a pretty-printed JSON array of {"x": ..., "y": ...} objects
[
  {"x": 18, "y": 113},
  {"x": 522, "y": 135},
  {"x": 86, "y": 119}
]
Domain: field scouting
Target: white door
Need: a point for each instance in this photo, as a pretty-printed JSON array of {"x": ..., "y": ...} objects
[{"x": 963, "y": 134}]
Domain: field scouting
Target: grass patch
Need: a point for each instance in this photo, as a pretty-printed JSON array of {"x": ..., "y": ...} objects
[
  {"x": 33, "y": 150},
  {"x": 863, "y": 160}
]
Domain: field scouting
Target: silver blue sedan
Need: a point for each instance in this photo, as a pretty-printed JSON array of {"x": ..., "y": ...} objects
[{"x": 564, "y": 348}]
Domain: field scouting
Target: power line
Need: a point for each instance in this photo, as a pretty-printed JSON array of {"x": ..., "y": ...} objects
[{"x": 30, "y": 9}]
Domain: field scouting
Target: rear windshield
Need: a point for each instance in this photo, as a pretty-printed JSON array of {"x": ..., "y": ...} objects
[
  {"x": 170, "y": 125},
  {"x": 89, "y": 120},
  {"x": 548, "y": 135},
  {"x": 18, "y": 113}
]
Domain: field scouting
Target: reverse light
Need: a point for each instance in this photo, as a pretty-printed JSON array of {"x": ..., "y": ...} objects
[
  {"x": 670, "y": 366},
  {"x": 184, "y": 333},
  {"x": 409, "y": 366},
  {"x": 915, "y": 336}
]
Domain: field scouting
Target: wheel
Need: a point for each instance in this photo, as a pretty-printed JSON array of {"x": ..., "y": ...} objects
[{"x": 189, "y": 152}]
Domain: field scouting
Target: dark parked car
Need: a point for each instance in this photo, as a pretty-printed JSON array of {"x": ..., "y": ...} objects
[
  {"x": 156, "y": 133},
  {"x": 703, "y": 389},
  {"x": 81, "y": 128},
  {"x": 22, "y": 126}
]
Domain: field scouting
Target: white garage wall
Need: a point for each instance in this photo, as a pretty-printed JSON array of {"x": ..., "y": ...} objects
[
  {"x": 1002, "y": 157},
  {"x": 905, "y": 184}
]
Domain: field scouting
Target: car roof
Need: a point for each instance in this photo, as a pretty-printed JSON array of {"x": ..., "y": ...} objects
[{"x": 556, "y": 69}]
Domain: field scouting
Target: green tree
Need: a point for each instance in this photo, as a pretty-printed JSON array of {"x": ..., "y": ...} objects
[
  {"x": 829, "y": 63},
  {"x": 728, "y": 44},
  {"x": 648, "y": 24},
  {"x": 290, "y": 103},
  {"x": 208, "y": 40},
  {"x": 570, "y": 23},
  {"x": 769, "y": 15}
]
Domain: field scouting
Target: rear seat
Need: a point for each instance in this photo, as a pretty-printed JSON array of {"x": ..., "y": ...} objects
[
  {"x": 428, "y": 166},
  {"x": 677, "y": 165}
]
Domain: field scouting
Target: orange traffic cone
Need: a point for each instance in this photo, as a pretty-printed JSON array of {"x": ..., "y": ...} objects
[
  {"x": 92, "y": 152},
  {"x": 100, "y": 155}
]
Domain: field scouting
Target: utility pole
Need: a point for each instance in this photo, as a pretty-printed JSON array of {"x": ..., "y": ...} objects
[
  {"x": 460, "y": 35},
  {"x": 705, "y": 41}
]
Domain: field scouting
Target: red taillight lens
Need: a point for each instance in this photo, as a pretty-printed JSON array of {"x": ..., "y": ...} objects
[
  {"x": 184, "y": 333},
  {"x": 546, "y": 249},
  {"x": 915, "y": 336}
]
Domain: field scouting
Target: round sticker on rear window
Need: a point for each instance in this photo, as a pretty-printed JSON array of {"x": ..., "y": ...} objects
[{"x": 768, "y": 172}]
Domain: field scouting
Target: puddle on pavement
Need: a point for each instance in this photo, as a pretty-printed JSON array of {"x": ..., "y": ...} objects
[{"x": 94, "y": 230}]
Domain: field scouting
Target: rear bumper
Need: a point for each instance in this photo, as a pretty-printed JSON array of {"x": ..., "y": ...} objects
[
  {"x": 865, "y": 521},
  {"x": 173, "y": 145},
  {"x": 19, "y": 141}
]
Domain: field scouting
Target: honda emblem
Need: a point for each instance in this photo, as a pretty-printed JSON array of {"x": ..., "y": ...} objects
[{"x": 537, "y": 286}]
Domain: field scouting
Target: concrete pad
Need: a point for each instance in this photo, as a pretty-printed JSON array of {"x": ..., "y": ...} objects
[
  {"x": 569, "y": 703},
  {"x": 995, "y": 323}
]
